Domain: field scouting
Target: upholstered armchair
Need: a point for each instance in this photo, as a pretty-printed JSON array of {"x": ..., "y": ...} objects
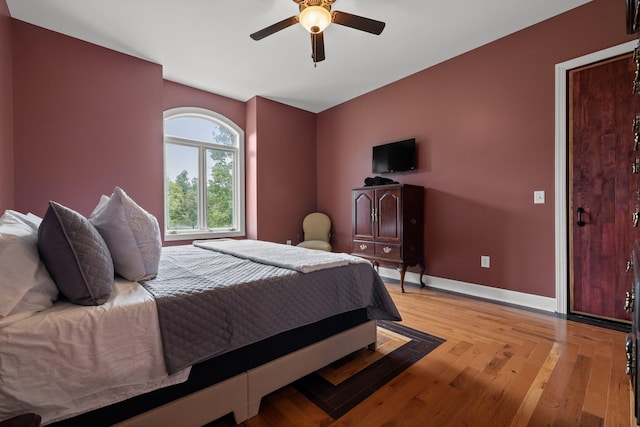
[{"x": 317, "y": 232}]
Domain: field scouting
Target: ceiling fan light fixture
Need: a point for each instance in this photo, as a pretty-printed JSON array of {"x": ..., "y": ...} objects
[{"x": 315, "y": 19}]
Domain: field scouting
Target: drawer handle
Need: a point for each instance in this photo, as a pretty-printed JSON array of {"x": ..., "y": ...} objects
[
  {"x": 386, "y": 249},
  {"x": 363, "y": 247}
]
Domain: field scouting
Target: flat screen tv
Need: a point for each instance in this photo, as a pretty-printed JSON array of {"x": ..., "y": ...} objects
[{"x": 395, "y": 156}]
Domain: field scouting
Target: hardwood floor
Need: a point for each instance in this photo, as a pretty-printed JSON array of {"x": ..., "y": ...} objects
[{"x": 500, "y": 366}]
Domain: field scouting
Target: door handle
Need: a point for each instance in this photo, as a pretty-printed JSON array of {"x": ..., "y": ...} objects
[{"x": 580, "y": 222}]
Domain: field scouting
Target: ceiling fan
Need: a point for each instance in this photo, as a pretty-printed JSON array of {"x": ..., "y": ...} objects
[{"x": 315, "y": 16}]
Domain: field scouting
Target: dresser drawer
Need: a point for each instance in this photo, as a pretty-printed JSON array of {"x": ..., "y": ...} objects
[
  {"x": 388, "y": 251},
  {"x": 363, "y": 247}
]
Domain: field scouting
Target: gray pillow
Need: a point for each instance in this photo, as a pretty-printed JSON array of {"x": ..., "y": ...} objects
[
  {"x": 131, "y": 233},
  {"x": 76, "y": 256}
]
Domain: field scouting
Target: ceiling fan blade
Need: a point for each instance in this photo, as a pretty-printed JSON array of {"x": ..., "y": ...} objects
[
  {"x": 358, "y": 22},
  {"x": 259, "y": 35},
  {"x": 317, "y": 47}
]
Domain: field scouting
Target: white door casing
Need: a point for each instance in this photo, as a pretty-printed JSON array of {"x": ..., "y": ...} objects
[{"x": 561, "y": 176}]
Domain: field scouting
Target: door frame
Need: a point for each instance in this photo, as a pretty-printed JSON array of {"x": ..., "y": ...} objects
[{"x": 561, "y": 172}]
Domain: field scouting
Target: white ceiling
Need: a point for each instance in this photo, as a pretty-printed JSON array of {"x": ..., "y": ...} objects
[{"x": 206, "y": 44}]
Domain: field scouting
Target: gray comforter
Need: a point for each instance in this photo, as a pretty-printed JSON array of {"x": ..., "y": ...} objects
[{"x": 211, "y": 302}]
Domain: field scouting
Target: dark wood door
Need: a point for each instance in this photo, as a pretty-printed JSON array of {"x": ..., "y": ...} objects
[
  {"x": 389, "y": 215},
  {"x": 363, "y": 204},
  {"x": 604, "y": 189}
]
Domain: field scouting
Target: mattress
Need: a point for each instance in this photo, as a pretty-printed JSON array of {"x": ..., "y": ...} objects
[{"x": 220, "y": 368}]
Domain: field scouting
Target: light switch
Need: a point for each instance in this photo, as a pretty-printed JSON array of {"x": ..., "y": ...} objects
[
  {"x": 485, "y": 261},
  {"x": 538, "y": 197}
]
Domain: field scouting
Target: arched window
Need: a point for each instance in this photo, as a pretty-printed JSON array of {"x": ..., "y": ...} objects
[{"x": 204, "y": 175}]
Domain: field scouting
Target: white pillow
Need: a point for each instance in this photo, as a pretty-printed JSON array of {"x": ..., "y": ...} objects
[
  {"x": 131, "y": 233},
  {"x": 25, "y": 283}
]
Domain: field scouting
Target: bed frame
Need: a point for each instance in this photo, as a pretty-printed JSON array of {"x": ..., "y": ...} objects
[
  {"x": 236, "y": 382},
  {"x": 241, "y": 394}
]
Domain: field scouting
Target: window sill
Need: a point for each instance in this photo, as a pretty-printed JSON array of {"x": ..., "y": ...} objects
[{"x": 173, "y": 237}]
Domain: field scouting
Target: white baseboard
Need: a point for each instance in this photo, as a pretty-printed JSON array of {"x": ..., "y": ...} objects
[{"x": 502, "y": 295}]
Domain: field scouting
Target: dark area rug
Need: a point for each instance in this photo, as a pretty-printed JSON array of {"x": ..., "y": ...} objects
[{"x": 345, "y": 383}]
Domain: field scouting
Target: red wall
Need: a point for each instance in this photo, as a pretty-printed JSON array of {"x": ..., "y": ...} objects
[
  {"x": 251, "y": 167},
  {"x": 177, "y": 95},
  {"x": 6, "y": 110},
  {"x": 85, "y": 120},
  {"x": 484, "y": 123},
  {"x": 285, "y": 177},
  {"x": 88, "y": 119}
]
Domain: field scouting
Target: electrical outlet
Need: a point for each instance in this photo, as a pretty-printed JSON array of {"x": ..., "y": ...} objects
[
  {"x": 288, "y": 242},
  {"x": 485, "y": 261}
]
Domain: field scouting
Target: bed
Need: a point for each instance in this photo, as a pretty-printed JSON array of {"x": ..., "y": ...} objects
[{"x": 217, "y": 327}]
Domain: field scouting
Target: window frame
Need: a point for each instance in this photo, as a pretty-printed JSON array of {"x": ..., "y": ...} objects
[{"x": 238, "y": 175}]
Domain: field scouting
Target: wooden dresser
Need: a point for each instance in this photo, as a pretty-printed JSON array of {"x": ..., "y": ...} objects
[{"x": 388, "y": 226}]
